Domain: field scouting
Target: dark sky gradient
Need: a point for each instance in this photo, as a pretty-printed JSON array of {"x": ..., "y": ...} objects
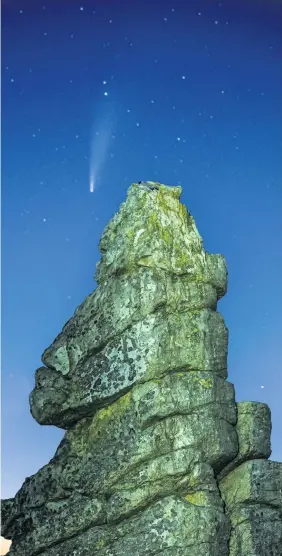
[{"x": 194, "y": 94}]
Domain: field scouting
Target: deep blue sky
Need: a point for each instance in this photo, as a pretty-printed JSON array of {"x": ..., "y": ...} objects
[{"x": 193, "y": 97}]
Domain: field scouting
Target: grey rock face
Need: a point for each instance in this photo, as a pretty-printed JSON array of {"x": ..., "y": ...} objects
[{"x": 157, "y": 457}]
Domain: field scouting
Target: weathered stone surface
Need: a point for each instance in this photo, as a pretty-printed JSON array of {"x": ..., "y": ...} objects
[
  {"x": 152, "y": 312},
  {"x": 160, "y": 343},
  {"x": 154, "y": 457},
  {"x": 170, "y": 526},
  {"x": 127, "y": 299},
  {"x": 161, "y": 438},
  {"x": 253, "y": 498},
  {"x": 253, "y": 428}
]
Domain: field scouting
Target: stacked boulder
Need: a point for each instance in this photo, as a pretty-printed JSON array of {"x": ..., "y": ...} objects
[{"x": 157, "y": 457}]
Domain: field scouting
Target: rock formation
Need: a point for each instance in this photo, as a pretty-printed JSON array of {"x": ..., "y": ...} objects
[{"x": 157, "y": 457}]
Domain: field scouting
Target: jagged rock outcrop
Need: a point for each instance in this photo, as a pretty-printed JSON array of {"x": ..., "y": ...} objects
[{"x": 157, "y": 458}]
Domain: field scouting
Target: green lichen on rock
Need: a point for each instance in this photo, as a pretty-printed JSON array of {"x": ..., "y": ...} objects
[
  {"x": 252, "y": 494},
  {"x": 157, "y": 457}
]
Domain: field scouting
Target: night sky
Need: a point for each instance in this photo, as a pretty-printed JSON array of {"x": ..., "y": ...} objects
[{"x": 181, "y": 92}]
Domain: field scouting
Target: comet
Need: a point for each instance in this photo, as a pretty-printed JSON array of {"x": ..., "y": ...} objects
[
  {"x": 92, "y": 181},
  {"x": 100, "y": 142}
]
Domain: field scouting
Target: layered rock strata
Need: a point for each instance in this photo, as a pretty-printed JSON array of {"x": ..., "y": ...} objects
[{"x": 157, "y": 457}]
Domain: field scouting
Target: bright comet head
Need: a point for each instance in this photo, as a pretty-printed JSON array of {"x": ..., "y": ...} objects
[{"x": 92, "y": 182}]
